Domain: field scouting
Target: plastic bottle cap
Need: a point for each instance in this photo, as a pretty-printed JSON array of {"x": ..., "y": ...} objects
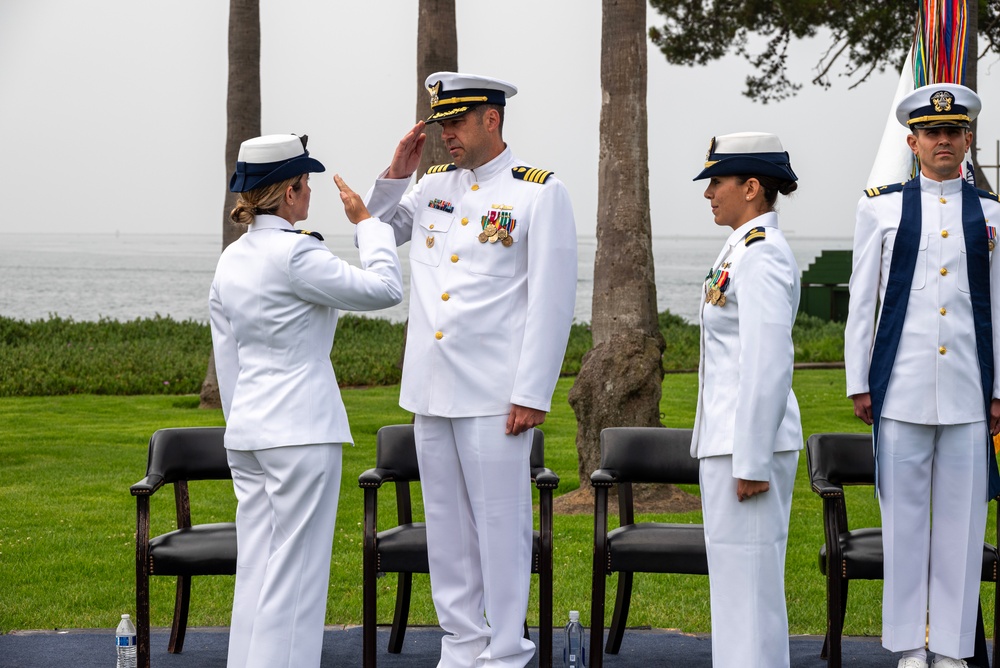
[
  {"x": 574, "y": 615},
  {"x": 125, "y": 617}
]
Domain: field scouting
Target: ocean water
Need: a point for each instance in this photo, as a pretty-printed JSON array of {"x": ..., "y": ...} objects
[{"x": 128, "y": 276}]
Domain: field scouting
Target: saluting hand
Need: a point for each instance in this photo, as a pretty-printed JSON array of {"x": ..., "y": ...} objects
[
  {"x": 354, "y": 206},
  {"x": 408, "y": 152}
]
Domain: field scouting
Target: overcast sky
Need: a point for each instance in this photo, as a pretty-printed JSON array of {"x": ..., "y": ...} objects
[{"x": 112, "y": 112}]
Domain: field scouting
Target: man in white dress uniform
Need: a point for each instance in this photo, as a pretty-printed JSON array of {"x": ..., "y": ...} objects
[
  {"x": 923, "y": 376},
  {"x": 492, "y": 293}
]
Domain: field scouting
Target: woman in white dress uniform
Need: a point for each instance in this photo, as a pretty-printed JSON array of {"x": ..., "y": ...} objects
[
  {"x": 747, "y": 432},
  {"x": 274, "y": 307}
]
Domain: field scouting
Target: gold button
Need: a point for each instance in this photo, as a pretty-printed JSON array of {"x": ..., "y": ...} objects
[
  {"x": 944, "y": 233},
  {"x": 440, "y": 335},
  {"x": 446, "y": 297},
  {"x": 454, "y": 258},
  {"x": 465, "y": 221},
  {"x": 943, "y": 200},
  {"x": 475, "y": 186},
  {"x": 944, "y": 271},
  {"x": 944, "y": 311},
  {"x": 431, "y": 226},
  {"x": 941, "y": 350}
]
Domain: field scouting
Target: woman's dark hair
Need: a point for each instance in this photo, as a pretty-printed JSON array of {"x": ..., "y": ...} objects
[{"x": 772, "y": 185}]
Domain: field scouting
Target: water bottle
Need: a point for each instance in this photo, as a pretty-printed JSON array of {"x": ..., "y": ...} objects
[
  {"x": 125, "y": 643},
  {"x": 575, "y": 649}
]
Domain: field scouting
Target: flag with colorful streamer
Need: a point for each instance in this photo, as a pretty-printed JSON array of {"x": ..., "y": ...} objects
[{"x": 938, "y": 55}]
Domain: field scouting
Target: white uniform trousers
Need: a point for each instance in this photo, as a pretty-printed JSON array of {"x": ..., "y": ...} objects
[
  {"x": 476, "y": 487},
  {"x": 927, "y": 470},
  {"x": 746, "y": 563},
  {"x": 287, "y": 506}
]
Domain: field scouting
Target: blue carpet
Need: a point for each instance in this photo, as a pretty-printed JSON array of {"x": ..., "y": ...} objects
[{"x": 206, "y": 648}]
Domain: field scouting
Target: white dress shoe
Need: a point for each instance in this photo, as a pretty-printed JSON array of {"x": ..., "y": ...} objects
[
  {"x": 945, "y": 662},
  {"x": 911, "y": 663}
]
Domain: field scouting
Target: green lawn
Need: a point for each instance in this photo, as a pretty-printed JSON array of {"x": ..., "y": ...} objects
[{"x": 67, "y": 519}]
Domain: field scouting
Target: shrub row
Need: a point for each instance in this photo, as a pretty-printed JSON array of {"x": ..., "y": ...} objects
[{"x": 60, "y": 356}]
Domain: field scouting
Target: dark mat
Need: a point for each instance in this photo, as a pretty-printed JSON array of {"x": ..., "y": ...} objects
[{"x": 206, "y": 648}]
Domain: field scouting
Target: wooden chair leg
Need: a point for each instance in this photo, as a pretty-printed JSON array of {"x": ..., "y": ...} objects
[
  {"x": 835, "y": 610},
  {"x": 996, "y": 625},
  {"x": 403, "y": 586},
  {"x": 599, "y": 578},
  {"x": 181, "y": 604},
  {"x": 620, "y": 616},
  {"x": 545, "y": 616},
  {"x": 142, "y": 619}
]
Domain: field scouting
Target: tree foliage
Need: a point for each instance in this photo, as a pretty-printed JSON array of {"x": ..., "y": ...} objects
[{"x": 865, "y": 37}]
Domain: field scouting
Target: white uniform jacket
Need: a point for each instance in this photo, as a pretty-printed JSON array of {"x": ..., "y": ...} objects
[
  {"x": 935, "y": 377},
  {"x": 746, "y": 407},
  {"x": 273, "y": 306},
  {"x": 488, "y": 322}
]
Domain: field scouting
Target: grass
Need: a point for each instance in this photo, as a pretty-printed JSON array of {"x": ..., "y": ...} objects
[{"x": 67, "y": 519}]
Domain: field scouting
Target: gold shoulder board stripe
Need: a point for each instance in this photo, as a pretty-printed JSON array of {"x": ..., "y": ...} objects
[
  {"x": 300, "y": 231},
  {"x": 437, "y": 169},
  {"x": 756, "y": 234},
  {"x": 986, "y": 194},
  {"x": 531, "y": 174},
  {"x": 881, "y": 190}
]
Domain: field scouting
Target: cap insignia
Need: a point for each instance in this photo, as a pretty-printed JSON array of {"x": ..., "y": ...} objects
[
  {"x": 942, "y": 101},
  {"x": 711, "y": 148},
  {"x": 434, "y": 90}
]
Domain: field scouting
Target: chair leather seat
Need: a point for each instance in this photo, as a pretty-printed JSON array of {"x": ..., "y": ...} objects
[
  {"x": 204, "y": 549},
  {"x": 403, "y": 549},
  {"x": 862, "y": 551},
  {"x": 656, "y": 547}
]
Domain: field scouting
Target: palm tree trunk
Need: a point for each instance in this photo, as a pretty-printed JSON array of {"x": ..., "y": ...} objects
[
  {"x": 437, "y": 51},
  {"x": 242, "y": 123},
  {"x": 620, "y": 380}
]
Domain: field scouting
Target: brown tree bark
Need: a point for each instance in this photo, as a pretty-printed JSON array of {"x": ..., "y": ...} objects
[
  {"x": 437, "y": 51},
  {"x": 972, "y": 81},
  {"x": 620, "y": 380},
  {"x": 242, "y": 123}
]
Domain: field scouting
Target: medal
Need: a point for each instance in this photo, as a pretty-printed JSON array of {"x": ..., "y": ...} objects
[
  {"x": 498, "y": 224},
  {"x": 430, "y": 242},
  {"x": 716, "y": 284}
]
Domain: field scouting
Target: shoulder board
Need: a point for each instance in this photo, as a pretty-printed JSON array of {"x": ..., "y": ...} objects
[
  {"x": 754, "y": 235},
  {"x": 312, "y": 234},
  {"x": 531, "y": 174},
  {"x": 986, "y": 194},
  {"x": 881, "y": 190},
  {"x": 437, "y": 169}
]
